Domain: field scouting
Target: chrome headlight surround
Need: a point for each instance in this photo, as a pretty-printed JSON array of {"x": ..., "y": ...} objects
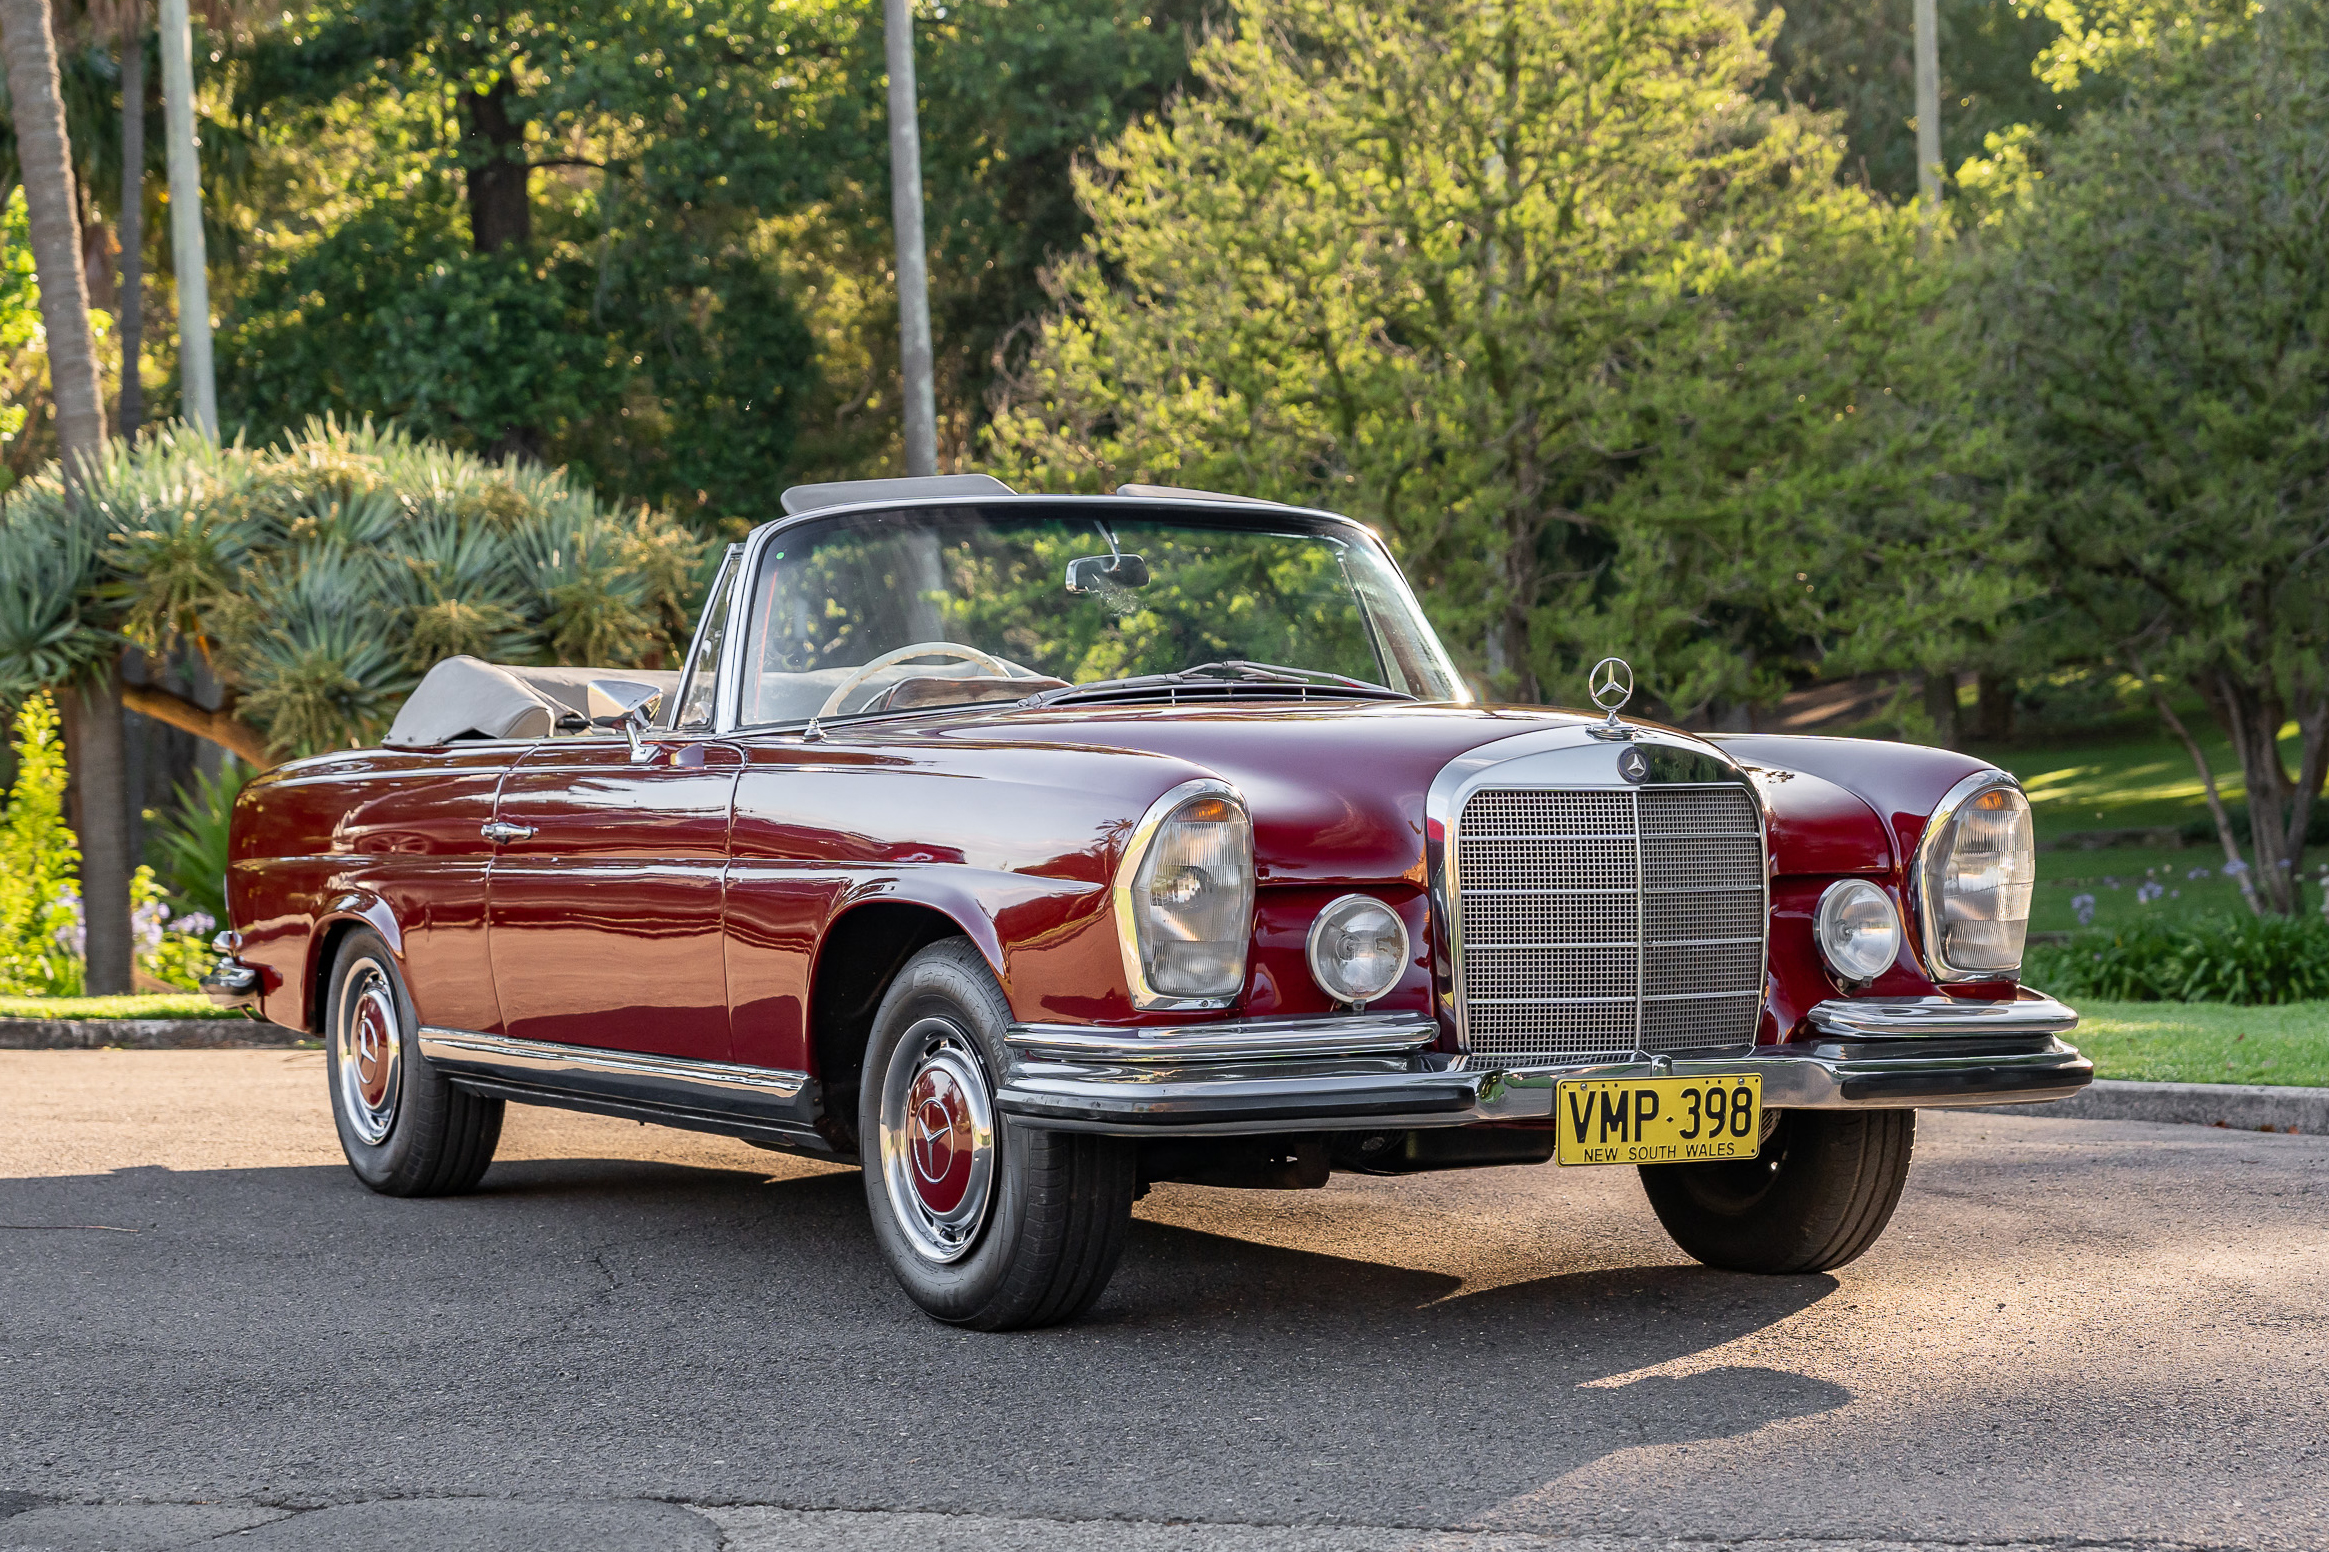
[
  {"x": 1330, "y": 931},
  {"x": 1848, "y": 908},
  {"x": 1138, "y": 934},
  {"x": 1937, "y": 854}
]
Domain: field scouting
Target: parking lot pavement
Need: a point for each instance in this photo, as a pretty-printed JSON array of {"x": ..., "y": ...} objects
[{"x": 2075, "y": 1332}]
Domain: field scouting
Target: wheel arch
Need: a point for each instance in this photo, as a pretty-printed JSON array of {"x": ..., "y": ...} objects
[
  {"x": 861, "y": 953},
  {"x": 345, "y": 913}
]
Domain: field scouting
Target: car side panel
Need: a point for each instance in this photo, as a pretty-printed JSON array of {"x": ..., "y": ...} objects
[{"x": 352, "y": 836}]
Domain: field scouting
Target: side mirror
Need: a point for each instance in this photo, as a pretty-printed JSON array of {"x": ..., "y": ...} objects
[
  {"x": 624, "y": 704},
  {"x": 1093, "y": 573}
]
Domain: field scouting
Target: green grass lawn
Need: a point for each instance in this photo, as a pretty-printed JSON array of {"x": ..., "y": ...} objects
[
  {"x": 2206, "y": 1042},
  {"x": 180, "y": 1005}
]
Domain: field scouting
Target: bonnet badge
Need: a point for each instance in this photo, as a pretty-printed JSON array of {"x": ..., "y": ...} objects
[
  {"x": 1611, "y": 684},
  {"x": 1632, "y": 764}
]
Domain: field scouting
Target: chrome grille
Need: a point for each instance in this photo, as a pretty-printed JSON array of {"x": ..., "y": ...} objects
[{"x": 1595, "y": 924}]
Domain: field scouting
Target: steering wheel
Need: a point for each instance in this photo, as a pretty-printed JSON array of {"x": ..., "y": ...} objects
[{"x": 859, "y": 675}]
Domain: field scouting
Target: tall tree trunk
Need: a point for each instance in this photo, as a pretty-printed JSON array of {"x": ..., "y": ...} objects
[
  {"x": 500, "y": 214},
  {"x": 46, "y": 158},
  {"x": 130, "y": 412},
  {"x": 94, "y": 750},
  {"x": 197, "y": 376},
  {"x": 101, "y": 762},
  {"x": 1993, "y": 708},
  {"x": 1941, "y": 706}
]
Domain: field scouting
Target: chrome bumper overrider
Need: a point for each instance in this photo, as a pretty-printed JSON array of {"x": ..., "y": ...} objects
[
  {"x": 231, "y": 985},
  {"x": 1136, "y": 1083}
]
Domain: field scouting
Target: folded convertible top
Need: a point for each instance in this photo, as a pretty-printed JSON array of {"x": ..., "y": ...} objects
[{"x": 466, "y": 697}]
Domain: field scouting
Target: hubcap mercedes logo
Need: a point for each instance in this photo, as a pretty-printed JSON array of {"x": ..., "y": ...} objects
[
  {"x": 1611, "y": 684},
  {"x": 1632, "y": 764}
]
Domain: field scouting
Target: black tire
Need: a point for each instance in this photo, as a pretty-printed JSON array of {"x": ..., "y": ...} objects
[
  {"x": 1816, "y": 1197},
  {"x": 1019, "y": 1230},
  {"x": 405, "y": 1130}
]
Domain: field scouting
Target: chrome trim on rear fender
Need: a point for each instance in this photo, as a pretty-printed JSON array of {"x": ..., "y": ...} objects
[
  {"x": 232, "y": 985},
  {"x": 1894, "y": 1018},
  {"x": 502, "y": 1053},
  {"x": 1368, "y": 1034}
]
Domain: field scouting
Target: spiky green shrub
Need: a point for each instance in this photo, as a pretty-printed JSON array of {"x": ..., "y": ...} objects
[
  {"x": 321, "y": 577},
  {"x": 190, "y": 847}
]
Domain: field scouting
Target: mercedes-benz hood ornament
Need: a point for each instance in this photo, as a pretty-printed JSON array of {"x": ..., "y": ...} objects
[{"x": 1611, "y": 684}]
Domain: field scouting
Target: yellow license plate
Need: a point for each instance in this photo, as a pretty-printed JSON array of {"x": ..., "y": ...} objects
[{"x": 1659, "y": 1120}]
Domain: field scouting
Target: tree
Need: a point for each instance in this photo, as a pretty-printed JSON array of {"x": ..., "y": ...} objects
[
  {"x": 551, "y": 243},
  {"x": 2160, "y": 352},
  {"x": 1543, "y": 292},
  {"x": 93, "y": 703}
]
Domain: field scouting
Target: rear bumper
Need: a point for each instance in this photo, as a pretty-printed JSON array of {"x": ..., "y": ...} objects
[{"x": 1200, "y": 1082}]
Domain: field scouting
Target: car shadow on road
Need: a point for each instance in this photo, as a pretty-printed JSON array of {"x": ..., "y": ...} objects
[{"x": 628, "y": 1327}]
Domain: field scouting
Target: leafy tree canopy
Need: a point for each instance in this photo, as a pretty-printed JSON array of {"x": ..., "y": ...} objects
[{"x": 2159, "y": 313}]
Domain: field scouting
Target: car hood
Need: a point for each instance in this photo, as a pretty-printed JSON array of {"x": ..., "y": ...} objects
[{"x": 1337, "y": 791}]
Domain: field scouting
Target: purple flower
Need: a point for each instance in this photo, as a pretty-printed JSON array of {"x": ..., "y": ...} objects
[{"x": 2083, "y": 906}]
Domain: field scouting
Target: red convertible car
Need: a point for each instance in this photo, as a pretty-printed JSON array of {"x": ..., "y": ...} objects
[{"x": 1029, "y": 849}]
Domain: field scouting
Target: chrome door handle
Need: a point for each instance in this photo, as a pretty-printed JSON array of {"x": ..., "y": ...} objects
[{"x": 501, "y": 833}]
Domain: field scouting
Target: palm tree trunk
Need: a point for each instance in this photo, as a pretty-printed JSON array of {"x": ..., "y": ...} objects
[
  {"x": 97, "y": 755},
  {"x": 46, "y": 160},
  {"x": 130, "y": 412}
]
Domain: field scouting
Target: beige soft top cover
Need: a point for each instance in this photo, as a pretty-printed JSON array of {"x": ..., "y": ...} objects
[{"x": 467, "y": 697}]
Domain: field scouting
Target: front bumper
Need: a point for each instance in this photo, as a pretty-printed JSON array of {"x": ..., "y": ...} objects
[{"x": 1376, "y": 1072}]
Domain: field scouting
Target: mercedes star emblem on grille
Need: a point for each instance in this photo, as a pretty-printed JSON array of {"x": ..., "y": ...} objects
[{"x": 1633, "y": 765}]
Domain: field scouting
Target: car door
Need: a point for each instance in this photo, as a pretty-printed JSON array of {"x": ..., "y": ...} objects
[{"x": 604, "y": 906}]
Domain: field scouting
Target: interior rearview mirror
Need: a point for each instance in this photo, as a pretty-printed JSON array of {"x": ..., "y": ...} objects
[{"x": 1092, "y": 573}]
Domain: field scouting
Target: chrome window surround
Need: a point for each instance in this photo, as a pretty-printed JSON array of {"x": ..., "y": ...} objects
[
  {"x": 728, "y": 714},
  {"x": 1144, "y": 996},
  {"x": 693, "y": 662},
  {"x": 1928, "y": 935},
  {"x": 1564, "y": 758}
]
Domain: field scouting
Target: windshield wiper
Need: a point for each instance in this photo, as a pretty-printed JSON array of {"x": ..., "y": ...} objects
[{"x": 1226, "y": 673}]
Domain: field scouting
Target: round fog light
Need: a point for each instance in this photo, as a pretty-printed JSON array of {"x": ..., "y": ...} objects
[
  {"x": 1358, "y": 948},
  {"x": 1858, "y": 930}
]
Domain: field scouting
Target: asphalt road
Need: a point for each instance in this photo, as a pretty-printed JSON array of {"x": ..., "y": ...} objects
[{"x": 2074, "y": 1333}]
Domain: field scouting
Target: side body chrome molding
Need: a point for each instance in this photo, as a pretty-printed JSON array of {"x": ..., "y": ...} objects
[{"x": 760, "y": 1104}]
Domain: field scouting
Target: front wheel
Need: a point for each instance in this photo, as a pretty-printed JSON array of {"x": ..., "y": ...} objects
[
  {"x": 1816, "y": 1197},
  {"x": 986, "y": 1223},
  {"x": 405, "y": 1130}
]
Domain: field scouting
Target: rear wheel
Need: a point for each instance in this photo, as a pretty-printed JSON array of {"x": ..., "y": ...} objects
[
  {"x": 986, "y": 1223},
  {"x": 1816, "y": 1197},
  {"x": 405, "y": 1130}
]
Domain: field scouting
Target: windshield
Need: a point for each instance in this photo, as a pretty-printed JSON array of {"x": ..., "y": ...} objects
[{"x": 876, "y": 612}]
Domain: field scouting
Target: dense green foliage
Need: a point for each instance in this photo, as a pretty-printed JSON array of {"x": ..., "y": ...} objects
[
  {"x": 192, "y": 846},
  {"x": 40, "y": 862},
  {"x": 2242, "y": 959},
  {"x": 1544, "y": 292}
]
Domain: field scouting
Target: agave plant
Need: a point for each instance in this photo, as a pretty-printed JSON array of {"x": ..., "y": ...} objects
[{"x": 320, "y": 577}]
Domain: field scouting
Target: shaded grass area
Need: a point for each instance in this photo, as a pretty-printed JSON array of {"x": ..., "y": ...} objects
[
  {"x": 2137, "y": 779},
  {"x": 2116, "y": 876},
  {"x": 182, "y": 1005},
  {"x": 2206, "y": 1042}
]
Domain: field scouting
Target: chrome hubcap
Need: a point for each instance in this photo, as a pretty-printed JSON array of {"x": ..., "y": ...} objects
[
  {"x": 368, "y": 1050},
  {"x": 938, "y": 1139}
]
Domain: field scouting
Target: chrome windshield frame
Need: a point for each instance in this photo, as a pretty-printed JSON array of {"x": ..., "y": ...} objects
[{"x": 1225, "y": 512}]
